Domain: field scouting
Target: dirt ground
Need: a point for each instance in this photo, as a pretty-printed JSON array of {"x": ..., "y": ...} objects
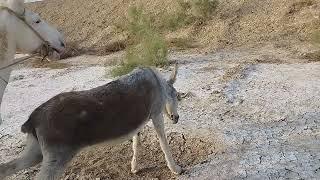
[
  {"x": 188, "y": 151},
  {"x": 248, "y": 114}
]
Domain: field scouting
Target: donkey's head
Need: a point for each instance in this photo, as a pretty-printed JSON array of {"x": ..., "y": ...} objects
[
  {"x": 172, "y": 98},
  {"x": 24, "y": 37}
]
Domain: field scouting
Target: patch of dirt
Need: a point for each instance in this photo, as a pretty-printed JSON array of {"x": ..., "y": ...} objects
[
  {"x": 299, "y": 5},
  {"x": 312, "y": 56},
  {"x": 113, "y": 162},
  {"x": 73, "y": 49},
  {"x": 51, "y": 65},
  {"x": 233, "y": 72}
]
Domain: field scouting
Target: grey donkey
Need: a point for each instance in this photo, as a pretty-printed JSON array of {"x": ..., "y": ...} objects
[{"x": 114, "y": 112}]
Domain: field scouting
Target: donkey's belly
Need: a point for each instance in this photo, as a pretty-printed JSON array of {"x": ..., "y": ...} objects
[
  {"x": 122, "y": 138},
  {"x": 112, "y": 132}
]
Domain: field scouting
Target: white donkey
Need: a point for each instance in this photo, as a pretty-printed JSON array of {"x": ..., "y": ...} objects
[{"x": 24, "y": 31}]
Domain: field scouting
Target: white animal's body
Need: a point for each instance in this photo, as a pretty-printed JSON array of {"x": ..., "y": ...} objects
[{"x": 15, "y": 36}]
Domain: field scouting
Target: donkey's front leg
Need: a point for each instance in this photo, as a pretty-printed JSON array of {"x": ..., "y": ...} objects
[
  {"x": 4, "y": 79},
  {"x": 159, "y": 127},
  {"x": 136, "y": 150}
]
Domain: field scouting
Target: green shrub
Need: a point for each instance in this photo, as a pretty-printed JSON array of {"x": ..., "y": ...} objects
[{"x": 149, "y": 47}]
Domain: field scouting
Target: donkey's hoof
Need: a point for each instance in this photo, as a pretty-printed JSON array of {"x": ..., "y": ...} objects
[
  {"x": 177, "y": 170},
  {"x": 134, "y": 171}
]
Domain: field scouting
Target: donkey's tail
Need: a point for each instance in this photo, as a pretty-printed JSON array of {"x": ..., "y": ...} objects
[{"x": 27, "y": 127}]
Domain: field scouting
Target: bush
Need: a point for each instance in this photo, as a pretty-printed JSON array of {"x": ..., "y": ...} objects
[
  {"x": 147, "y": 45},
  {"x": 148, "y": 48}
]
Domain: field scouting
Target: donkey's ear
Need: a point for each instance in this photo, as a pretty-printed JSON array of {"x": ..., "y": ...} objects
[
  {"x": 173, "y": 76},
  {"x": 17, "y": 6}
]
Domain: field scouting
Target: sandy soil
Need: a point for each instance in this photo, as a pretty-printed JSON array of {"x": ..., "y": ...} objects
[{"x": 249, "y": 114}]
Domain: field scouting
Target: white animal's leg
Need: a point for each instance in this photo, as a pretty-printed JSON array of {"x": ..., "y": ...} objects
[
  {"x": 4, "y": 79},
  {"x": 136, "y": 148},
  {"x": 159, "y": 127},
  {"x": 31, "y": 156},
  {"x": 54, "y": 162}
]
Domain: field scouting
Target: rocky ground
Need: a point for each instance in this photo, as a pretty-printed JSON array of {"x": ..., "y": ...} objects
[{"x": 248, "y": 114}]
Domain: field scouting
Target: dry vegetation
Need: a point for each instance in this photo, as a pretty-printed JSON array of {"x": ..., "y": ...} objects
[
  {"x": 146, "y": 43},
  {"x": 96, "y": 27}
]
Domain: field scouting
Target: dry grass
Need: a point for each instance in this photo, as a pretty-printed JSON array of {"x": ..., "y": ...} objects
[
  {"x": 314, "y": 56},
  {"x": 98, "y": 25}
]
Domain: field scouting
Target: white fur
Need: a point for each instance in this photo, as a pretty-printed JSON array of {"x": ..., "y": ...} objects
[{"x": 21, "y": 38}]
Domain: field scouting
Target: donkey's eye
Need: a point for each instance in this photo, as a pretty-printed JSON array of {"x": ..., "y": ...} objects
[{"x": 38, "y": 21}]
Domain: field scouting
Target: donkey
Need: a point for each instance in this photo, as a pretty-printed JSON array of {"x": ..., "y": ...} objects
[
  {"x": 16, "y": 35},
  {"x": 111, "y": 113}
]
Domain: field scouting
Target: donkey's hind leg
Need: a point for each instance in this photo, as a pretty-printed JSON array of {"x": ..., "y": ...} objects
[
  {"x": 159, "y": 127},
  {"x": 54, "y": 162},
  {"x": 136, "y": 148},
  {"x": 31, "y": 156}
]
